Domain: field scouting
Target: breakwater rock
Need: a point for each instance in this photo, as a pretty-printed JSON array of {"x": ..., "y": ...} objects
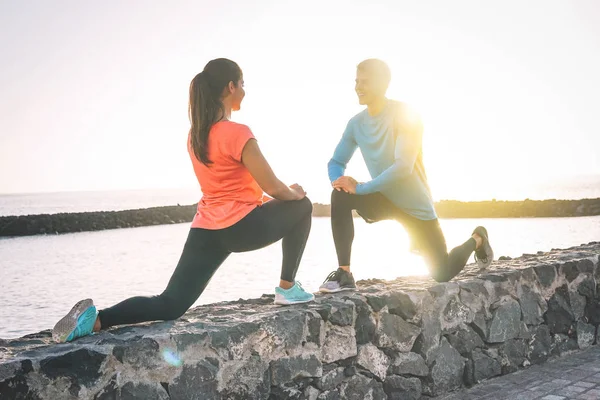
[
  {"x": 410, "y": 338},
  {"x": 24, "y": 225}
]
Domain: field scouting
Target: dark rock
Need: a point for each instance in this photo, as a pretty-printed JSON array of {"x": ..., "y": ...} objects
[
  {"x": 81, "y": 366},
  {"x": 331, "y": 379},
  {"x": 585, "y": 266},
  {"x": 285, "y": 393},
  {"x": 569, "y": 270},
  {"x": 350, "y": 370},
  {"x": 109, "y": 392},
  {"x": 365, "y": 323},
  {"x": 329, "y": 395},
  {"x": 577, "y": 302},
  {"x": 505, "y": 323},
  {"x": 247, "y": 378},
  {"x": 468, "y": 377},
  {"x": 533, "y": 305},
  {"x": 592, "y": 311},
  {"x": 514, "y": 354},
  {"x": 339, "y": 343},
  {"x": 196, "y": 382},
  {"x": 465, "y": 341},
  {"x": 401, "y": 304},
  {"x": 400, "y": 388},
  {"x": 455, "y": 314},
  {"x": 540, "y": 345},
  {"x": 360, "y": 387},
  {"x": 16, "y": 388},
  {"x": 587, "y": 288},
  {"x": 284, "y": 370},
  {"x": 408, "y": 364},
  {"x": 142, "y": 353},
  {"x": 394, "y": 332},
  {"x": 447, "y": 368},
  {"x": 373, "y": 360},
  {"x": 559, "y": 316},
  {"x": 484, "y": 367},
  {"x": 314, "y": 324},
  {"x": 546, "y": 274},
  {"x": 337, "y": 312},
  {"x": 504, "y": 258},
  {"x": 586, "y": 334},
  {"x": 563, "y": 345},
  {"x": 131, "y": 391},
  {"x": 429, "y": 339}
]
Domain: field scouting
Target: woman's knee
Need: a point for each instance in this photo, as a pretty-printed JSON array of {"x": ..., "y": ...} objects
[
  {"x": 172, "y": 309},
  {"x": 307, "y": 205}
]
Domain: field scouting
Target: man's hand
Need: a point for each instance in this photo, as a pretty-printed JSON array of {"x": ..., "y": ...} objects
[{"x": 345, "y": 183}]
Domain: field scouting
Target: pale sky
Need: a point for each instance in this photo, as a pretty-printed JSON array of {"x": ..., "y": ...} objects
[{"x": 94, "y": 94}]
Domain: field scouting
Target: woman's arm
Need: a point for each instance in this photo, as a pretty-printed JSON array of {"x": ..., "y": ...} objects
[{"x": 261, "y": 171}]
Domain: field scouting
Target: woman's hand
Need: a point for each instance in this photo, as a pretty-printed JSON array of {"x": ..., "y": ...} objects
[{"x": 298, "y": 190}]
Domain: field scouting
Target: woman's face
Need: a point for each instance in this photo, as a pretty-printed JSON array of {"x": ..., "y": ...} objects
[{"x": 237, "y": 94}]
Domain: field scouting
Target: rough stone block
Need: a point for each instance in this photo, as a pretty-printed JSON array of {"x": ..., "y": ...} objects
[
  {"x": 393, "y": 332},
  {"x": 287, "y": 369},
  {"x": 408, "y": 364},
  {"x": 365, "y": 322},
  {"x": 400, "y": 388},
  {"x": 533, "y": 305},
  {"x": 447, "y": 367},
  {"x": 373, "y": 360},
  {"x": 484, "y": 366},
  {"x": 340, "y": 343},
  {"x": 560, "y": 317},
  {"x": 540, "y": 346},
  {"x": 506, "y": 321},
  {"x": 360, "y": 387},
  {"x": 465, "y": 341},
  {"x": 586, "y": 334}
]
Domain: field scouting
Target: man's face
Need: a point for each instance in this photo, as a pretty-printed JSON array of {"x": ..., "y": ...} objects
[{"x": 369, "y": 86}]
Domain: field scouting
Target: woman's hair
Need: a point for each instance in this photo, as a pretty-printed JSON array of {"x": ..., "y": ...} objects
[{"x": 206, "y": 107}]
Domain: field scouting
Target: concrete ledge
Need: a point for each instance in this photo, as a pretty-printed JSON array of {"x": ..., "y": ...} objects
[{"x": 406, "y": 339}]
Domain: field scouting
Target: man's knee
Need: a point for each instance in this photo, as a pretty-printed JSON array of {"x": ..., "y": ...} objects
[{"x": 339, "y": 197}]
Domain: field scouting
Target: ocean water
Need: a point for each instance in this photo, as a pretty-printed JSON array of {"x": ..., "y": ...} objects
[{"x": 41, "y": 277}]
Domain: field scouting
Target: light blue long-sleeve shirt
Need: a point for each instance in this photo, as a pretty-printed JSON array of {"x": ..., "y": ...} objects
[{"x": 391, "y": 145}]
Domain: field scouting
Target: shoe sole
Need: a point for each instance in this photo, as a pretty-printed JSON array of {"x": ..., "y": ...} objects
[
  {"x": 289, "y": 302},
  {"x": 324, "y": 290},
  {"x": 68, "y": 323}
]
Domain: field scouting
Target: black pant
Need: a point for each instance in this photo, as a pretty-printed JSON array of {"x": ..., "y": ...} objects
[
  {"x": 426, "y": 235},
  {"x": 205, "y": 250}
]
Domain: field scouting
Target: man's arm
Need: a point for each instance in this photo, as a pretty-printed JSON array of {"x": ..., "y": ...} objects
[
  {"x": 409, "y": 137},
  {"x": 342, "y": 154}
]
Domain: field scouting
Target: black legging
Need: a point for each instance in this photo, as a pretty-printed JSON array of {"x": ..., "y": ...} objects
[
  {"x": 205, "y": 250},
  {"x": 426, "y": 235}
]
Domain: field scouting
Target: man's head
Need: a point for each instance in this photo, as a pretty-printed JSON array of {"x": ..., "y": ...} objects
[{"x": 372, "y": 80}]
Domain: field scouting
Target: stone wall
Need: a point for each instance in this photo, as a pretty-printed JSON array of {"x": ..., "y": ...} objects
[{"x": 406, "y": 339}]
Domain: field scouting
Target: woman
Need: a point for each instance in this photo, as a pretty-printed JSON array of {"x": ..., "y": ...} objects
[{"x": 232, "y": 216}]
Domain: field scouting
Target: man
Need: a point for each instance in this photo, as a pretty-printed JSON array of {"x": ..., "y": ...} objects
[{"x": 389, "y": 136}]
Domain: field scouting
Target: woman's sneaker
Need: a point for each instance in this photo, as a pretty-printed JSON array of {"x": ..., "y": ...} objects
[
  {"x": 294, "y": 295},
  {"x": 338, "y": 281},
  {"x": 484, "y": 255},
  {"x": 77, "y": 323}
]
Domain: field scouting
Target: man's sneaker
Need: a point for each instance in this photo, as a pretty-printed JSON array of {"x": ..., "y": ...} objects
[
  {"x": 338, "y": 281},
  {"x": 484, "y": 255},
  {"x": 294, "y": 295},
  {"x": 77, "y": 323}
]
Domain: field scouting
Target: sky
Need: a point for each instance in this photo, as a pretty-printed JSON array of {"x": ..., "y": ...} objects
[{"x": 94, "y": 94}]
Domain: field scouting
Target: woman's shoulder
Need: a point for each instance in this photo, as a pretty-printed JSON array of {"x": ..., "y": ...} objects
[{"x": 232, "y": 126}]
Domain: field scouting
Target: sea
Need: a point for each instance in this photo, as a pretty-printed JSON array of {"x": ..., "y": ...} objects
[{"x": 41, "y": 277}]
